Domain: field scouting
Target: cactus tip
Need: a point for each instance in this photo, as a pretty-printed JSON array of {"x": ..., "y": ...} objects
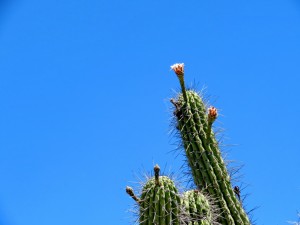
[
  {"x": 156, "y": 168},
  {"x": 156, "y": 174},
  {"x": 178, "y": 68},
  {"x": 130, "y": 192}
]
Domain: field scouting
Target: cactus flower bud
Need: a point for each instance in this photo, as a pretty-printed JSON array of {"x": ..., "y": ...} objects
[
  {"x": 212, "y": 113},
  {"x": 178, "y": 69}
]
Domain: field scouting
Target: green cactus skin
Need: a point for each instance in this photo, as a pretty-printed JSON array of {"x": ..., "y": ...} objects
[
  {"x": 208, "y": 168},
  {"x": 197, "y": 209},
  {"x": 159, "y": 202}
]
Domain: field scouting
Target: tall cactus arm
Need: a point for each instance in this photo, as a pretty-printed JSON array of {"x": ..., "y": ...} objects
[{"x": 209, "y": 170}]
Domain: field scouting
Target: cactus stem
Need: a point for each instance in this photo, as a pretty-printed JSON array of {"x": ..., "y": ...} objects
[
  {"x": 178, "y": 68},
  {"x": 181, "y": 80}
]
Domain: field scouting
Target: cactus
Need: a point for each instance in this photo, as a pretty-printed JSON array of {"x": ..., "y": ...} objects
[
  {"x": 159, "y": 202},
  {"x": 204, "y": 157},
  {"x": 197, "y": 209}
]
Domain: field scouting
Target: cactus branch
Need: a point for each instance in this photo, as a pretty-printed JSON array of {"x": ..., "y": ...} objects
[{"x": 130, "y": 192}]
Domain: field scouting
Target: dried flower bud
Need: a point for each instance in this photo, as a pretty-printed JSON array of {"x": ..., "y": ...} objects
[
  {"x": 212, "y": 113},
  {"x": 156, "y": 170},
  {"x": 129, "y": 191},
  {"x": 237, "y": 191},
  {"x": 178, "y": 69},
  {"x": 156, "y": 174}
]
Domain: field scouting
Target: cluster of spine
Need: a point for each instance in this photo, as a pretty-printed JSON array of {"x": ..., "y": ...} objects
[{"x": 160, "y": 202}]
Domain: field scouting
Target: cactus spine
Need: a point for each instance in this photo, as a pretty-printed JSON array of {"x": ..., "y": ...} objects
[{"x": 204, "y": 157}]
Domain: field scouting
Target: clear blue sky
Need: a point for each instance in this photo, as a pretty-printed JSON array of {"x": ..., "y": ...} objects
[{"x": 84, "y": 89}]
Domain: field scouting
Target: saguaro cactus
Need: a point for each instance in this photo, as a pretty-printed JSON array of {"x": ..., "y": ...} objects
[
  {"x": 159, "y": 202},
  {"x": 204, "y": 157}
]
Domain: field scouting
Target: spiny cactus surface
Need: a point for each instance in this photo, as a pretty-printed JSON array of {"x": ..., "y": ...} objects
[{"x": 197, "y": 209}]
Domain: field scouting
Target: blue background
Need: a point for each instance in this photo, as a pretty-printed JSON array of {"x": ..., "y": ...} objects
[{"x": 84, "y": 101}]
